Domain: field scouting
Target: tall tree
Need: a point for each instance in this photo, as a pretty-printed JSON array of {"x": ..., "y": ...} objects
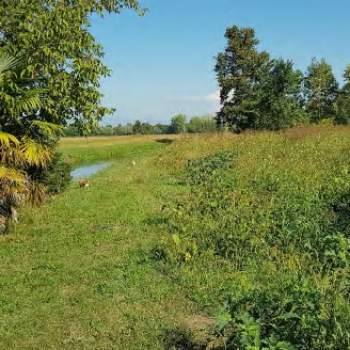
[
  {"x": 201, "y": 124},
  {"x": 281, "y": 101},
  {"x": 60, "y": 54},
  {"x": 240, "y": 70},
  {"x": 343, "y": 101},
  {"x": 321, "y": 89},
  {"x": 178, "y": 124}
]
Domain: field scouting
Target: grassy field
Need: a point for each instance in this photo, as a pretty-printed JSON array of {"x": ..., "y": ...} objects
[
  {"x": 97, "y": 268},
  {"x": 93, "y": 149}
]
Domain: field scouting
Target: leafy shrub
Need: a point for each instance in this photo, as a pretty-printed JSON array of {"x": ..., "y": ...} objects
[
  {"x": 293, "y": 310},
  {"x": 56, "y": 176}
]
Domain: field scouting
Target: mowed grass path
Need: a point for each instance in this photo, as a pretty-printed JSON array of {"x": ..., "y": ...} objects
[{"x": 78, "y": 274}]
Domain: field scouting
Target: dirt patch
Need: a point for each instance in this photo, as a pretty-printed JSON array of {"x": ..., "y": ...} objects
[{"x": 199, "y": 323}]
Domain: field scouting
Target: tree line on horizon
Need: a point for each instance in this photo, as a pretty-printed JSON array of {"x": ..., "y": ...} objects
[
  {"x": 179, "y": 124},
  {"x": 260, "y": 92}
]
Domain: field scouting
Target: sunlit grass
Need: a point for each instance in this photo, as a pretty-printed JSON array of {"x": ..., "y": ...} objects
[{"x": 79, "y": 272}]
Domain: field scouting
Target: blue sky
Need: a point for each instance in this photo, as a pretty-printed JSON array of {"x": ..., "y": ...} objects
[{"x": 163, "y": 62}]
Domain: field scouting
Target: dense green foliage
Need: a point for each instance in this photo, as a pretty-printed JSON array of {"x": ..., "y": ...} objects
[
  {"x": 60, "y": 54},
  {"x": 201, "y": 124},
  {"x": 25, "y": 144},
  {"x": 343, "y": 101},
  {"x": 280, "y": 100},
  {"x": 262, "y": 233},
  {"x": 258, "y": 92},
  {"x": 55, "y": 176},
  {"x": 178, "y": 124},
  {"x": 321, "y": 90},
  {"x": 240, "y": 71}
]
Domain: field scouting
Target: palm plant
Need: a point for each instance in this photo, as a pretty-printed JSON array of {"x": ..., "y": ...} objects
[{"x": 19, "y": 150}]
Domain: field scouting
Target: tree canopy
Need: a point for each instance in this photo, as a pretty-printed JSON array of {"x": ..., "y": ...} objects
[
  {"x": 343, "y": 101},
  {"x": 240, "y": 70},
  {"x": 280, "y": 103},
  {"x": 178, "y": 124},
  {"x": 321, "y": 90},
  {"x": 258, "y": 92},
  {"x": 60, "y": 54}
]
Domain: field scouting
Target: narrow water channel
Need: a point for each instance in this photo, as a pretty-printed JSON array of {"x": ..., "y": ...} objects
[{"x": 88, "y": 170}]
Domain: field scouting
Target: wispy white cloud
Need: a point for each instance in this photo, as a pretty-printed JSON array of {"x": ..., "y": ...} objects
[{"x": 212, "y": 97}]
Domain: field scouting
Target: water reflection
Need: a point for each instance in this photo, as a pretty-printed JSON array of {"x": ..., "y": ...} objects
[{"x": 89, "y": 170}]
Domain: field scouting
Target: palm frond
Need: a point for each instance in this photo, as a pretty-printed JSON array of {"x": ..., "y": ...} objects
[
  {"x": 10, "y": 176},
  {"x": 7, "y": 62},
  {"x": 35, "y": 153},
  {"x": 6, "y": 139},
  {"x": 18, "y": 154},
  {"x": 24, "y": 102},
  {"x": 46, "y": 127},
  {"x": 13, "y": 99},
  {"x": 36, "y": 193},
  {"x": 28, "y": 101}
]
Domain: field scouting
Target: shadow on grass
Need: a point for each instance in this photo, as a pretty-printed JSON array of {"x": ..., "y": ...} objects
[
  {"x": 341, "y": 209},
  {"x": 178, "y": 339},
  {"x": 156, "y": 221},
  {"x": 165, "y": 141}
]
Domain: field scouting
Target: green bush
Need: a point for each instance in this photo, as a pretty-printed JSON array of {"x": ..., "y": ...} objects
[{"x": 56, "y": 177}]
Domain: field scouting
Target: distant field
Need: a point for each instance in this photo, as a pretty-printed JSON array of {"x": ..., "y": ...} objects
[
  {"x": 68, "y": 142},
  {"x": 90, "y": 149},
  {"x": 147, "y": 257}
]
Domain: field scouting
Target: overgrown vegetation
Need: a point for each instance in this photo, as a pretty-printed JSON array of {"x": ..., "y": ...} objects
[
  {"x": 261, "y": 233},
  {"x": 55, "y": 176},
  {"x": 249, "y": 251}
]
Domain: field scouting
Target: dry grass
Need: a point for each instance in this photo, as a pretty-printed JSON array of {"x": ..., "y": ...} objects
[
  {"x": 102, "y": 141},
  {"x": 192, "y": 146}
]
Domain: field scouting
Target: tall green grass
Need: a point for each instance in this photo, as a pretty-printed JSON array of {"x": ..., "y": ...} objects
[{"x": 260, "y": 237}]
